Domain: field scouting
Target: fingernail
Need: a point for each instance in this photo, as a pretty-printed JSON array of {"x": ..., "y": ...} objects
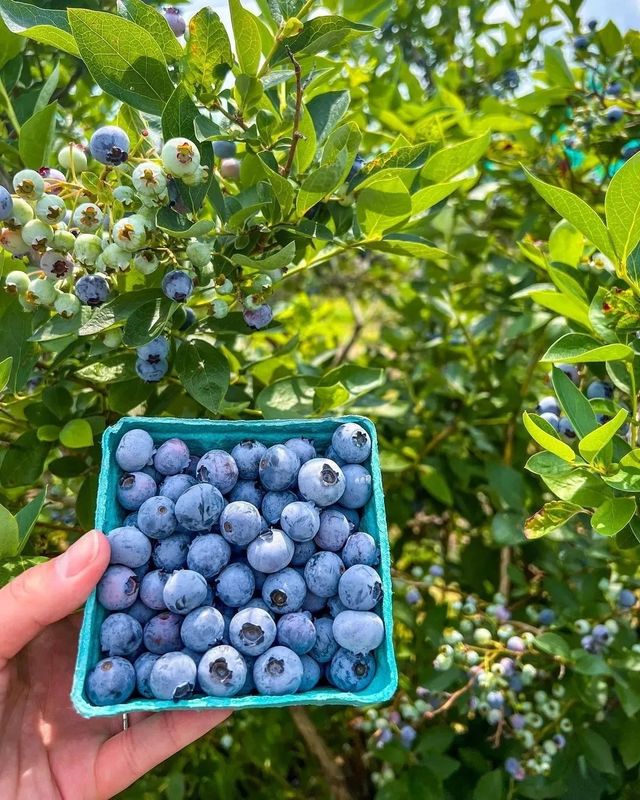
[{"x": 78, "y": 557}]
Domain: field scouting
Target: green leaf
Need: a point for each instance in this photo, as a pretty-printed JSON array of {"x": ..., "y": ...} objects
[
  {"x": 278, "y": 260},
  {"x": 179, "y": 115},
  {"x": 345, "y": 139},
  {"x": 596, "y": 750},
  {"x": 204, "y": 372},
  {"x": 208, "y": 56},
  {"x": 613, "y": 515},
  {"x": 124, "y": 59},
  {"x": 451, "y": 161},
  {"x": 247, "y": 37},
  {"x": 566, "y": 244},
  {"x": 5, "y": 372},
  {"x": 610, "y": 39},
  {"x": 287, "y": 398},
  {"x": 27, "y": 518},
  {"x": 36, "y": 137},
  {"x": 574, "y": 404},
  {"x": 356, "y": 380},
  {"x": 547, "y": 440},
  {"x": 76, "y": 434},
  {"x": 117, "y": 310},
  {"x": 43, "y": 25},
  {"x": 383, "y": 202},
  {"x": 565, "y": 305},
  {"x": 9, "y": 534},
  {"x": 86, "y": 502},
  {"x": 490, "y": 786},
  {"x": 594, "y": 441},
  {"x": 15, "y": 325},
  {"x": 556, "y": 68},
  {"x": 552, "y": 515},
  {"x": 180, "y": 227},
  {"x": 622, "y": 205},
  {"x": 147, "y": 322},
  {"x": 322, "y": 33},
  {"x": 576, "y": 348},
  {"x": 152, "y": 21},
  {"x": 426, "y": 198},
  {"x": 321, "y": 182},
  {"x": 307, "y": 145},
  {"x": 629, "y": 743},
  {"x": 407, "y": 245},
  {"x": 553, "y": 644},
  {"x": 12, "y": 567},
  {"x": 326, "y": 111},
  {"x": 10, "y": 43},
  {"x": 24, "y": 460},
  {"x": 48, "y": 88}
]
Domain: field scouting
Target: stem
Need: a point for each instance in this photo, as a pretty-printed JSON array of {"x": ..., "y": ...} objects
[
  {"x": 634, "y": 406},
  {"x": 296, "y": 135},
  {"x": 9, "y": 107},
  {"x": 236, "y": 118},
  {"x": 267, "y": 61}
]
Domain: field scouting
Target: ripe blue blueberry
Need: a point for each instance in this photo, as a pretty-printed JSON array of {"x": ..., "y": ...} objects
[
  {"x": 173, "y": 677},
  {"x": 358, "y": 486},
  {"x": 297, "y": 632},
  {"x": 199, "y": 507},
  {"x": 331, "y": 454},
  {"x": 333, "y": 531},
  {"x": 284, "y": 591},
  {"x": 352, "y": 443},
  {"x": 614, "y": 114},
  {"x": 6, "y": 203},
  {"x": 599, "y": 390},
  {"x": 235, "y": 585},
  {"x": 360, "y": 548},
  {"x": 92, "y": 290},
  {"x": 326, "y": 646},
  {"x": 156, "y": 517},
  {"x": 247, "y": 455},
  {"x": 222, "y": 671},
  {"x": 117, "y": 588},
  {"x": 240, "y": 523},
  {"x": 566, "y": 429},
  {"x": 278, "y": 468},
  {"x": 601, "y": 633},
  {"x": 413, "y": 596},
  {"x": 571, "y": 371},
  {"x": 277, "y": 672},
  {"x": 360, "y": 588},
  {"x": 110, "y": 145},
  {"x": 129, "y": 547},
  {"x": 184, "y": 591},
  {"x": 176, "y": 20},
  {"x": 162, "y": 633},
  {"x": 152, "y": 589},
  {"x": 202, "y": 629},
  {"x": 271, "y": 551},
  {"x": 273, "y": 504},
  {"x": 581, "y": 42},
  {"x": 175, "y": 485},
  {"x": 335, "y": 606},
  {"x": 302, "y": 552},
  {"x": 224, "y": 149},
  {"x": 177, "y": 285},
  {"x": 151, "y": 373},
  {"x": 302, "y": 447},
  {"x": 512, "y": 766},
  {"x": 143, "y": 666},
  {"x": 322, "y": 481},
  {"x": 171, "y": 553},
  {"x": 248, "y": 491},
  {"x": 357, "y": 165},
  {"x": 155, "y": 351},
  {"x": 218, "y": 468},
  {"x": 358, "y": 631},
  {"x": 171, "y": 457},
  {"x": 258, "y": 318},
  {"x": 546, "y": 616},
  {"x": 208, "y": 555},
  {"x": 314, "y": 603},
  {"x": 134, "y": 450},
  {"x": 551, "y": 418},
  {"x": 351, "y": 672},
  {"x": 141, "y": 612},
  {"x": 252, "y": 631},
  {"x": 626, "y": 599},
  {"x": 120, "y": 635},
  {"x": 548, "y": 404},
  {"x": 311, "y": 673},
  {"x": 111, "y": 681},
  {"x": 300, "y": 521},
  {"x": 322, "y": 573}
]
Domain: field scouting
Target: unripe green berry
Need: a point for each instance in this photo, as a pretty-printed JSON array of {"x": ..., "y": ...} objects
[
  {"x": 41, "y": 292},
  {"x": 180, "y": 157},
  {"x": 146, "y": 262},
  {"x": 87, "y": 217},
  {"x": 37, "y": 235},
  {"x": 113, "y": 339},
  {"x": 73, "y": 156},
  {"x": 199, "y": 254},
  {"x": 21, "y": 213},
  {"x": 149, "y": 179},
  {"x": 116, "y": 259},
  {"x": 51, "y": 209},
  {"x": 87, "y": 248},
  {"x": 16, "y": 282},
  {"x": 482, "y": 636},
  {"x": 67, "y": 305},
  {"x": 124, "y": 195},
  {"x": 130, "y": 233},
  {"x": 28, "y": 184},
  {"x": 13, "y": 242},
  {"x": 219, "y": 309},
  {"x": 63, "y": 241}
]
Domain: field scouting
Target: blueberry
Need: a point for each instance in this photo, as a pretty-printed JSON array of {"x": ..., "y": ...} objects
[
  {"x": 240, "y": 523},
  {"x": 278, "y": 672},
  {"x": 247, "y": 455},
  {"x": 278, "y": 468},
  {"x": 331, "y": 454},
  {"x": 176, "y": 20},
  {"x": 548, "y": 405},
  {"x": 258, "y": 318},
  {"x": 313, "y": 603},
  {"x": 208, "y": 555},
  {"x": 413, "y": 596},
  {"x": 358, "y": 486},
  {"x": 222, "y": 671},
  {"x": 551, "y": 418},
  {"x": 601, "y": 633},
  {"x": 358, "y": 631},
  {"x": 271, "y": 551},
  {"x": 143, "y": 666},
  {"x": 571, "y": 371},
  {"x": 358, "y": 164},
  {"x": 599, "y": 390},
  {"x": 614, "y": 114},
  {"x": 152, "y": 589},
  {"x": 120, "y": 635},
  {"x": 351, "y": 672},
  {"x": 177, "y": 285},
  {"x": 141, "y": 612},
  {"x": 151, "y": 373},
  {"x": 118, "y": 588},
  {"x": 181, "y": 157},
  {"x": 175, "y": 485},
  {"x": 202, "y": 629},
  {"x": 335, "y": 605},
  {"x": 56, "y": 265},
  {"x": 300, "y": 521},
  {"x": 626, "y": 599},
  {"x": 581, "y": 42},
  {"x": 111, "y": 681},
  {"x": 199, "y": 508},
  {"x": 302, "y": 552},
  {"x": 302, "y": 447},
  {"x": 110, "y": 145},
  {"x": 184, "y": 591},
  {"x": 134, "y": 488},
  {"x": 129, "y": 547},
  {"x": 334, "y": 530},
  {"x": 156, "y": 517},
  {"x": 350, "y": 513},
  {"x": 171, "y": 553},
  {"x": 360, "y": 588},
  {"x": 191, "y": 468},
  {"x": 230, "y": 168},
  {"x": 322, "y": 573},
  {"x": 311, "y": 673},
  {"x": 134, "y": 450},
  {"x": 273, "y": 504},
  {"x": 92, "y": 290},
  {"x": 252, "y": 631},
  {"x": 171, "y": 457},
  {"x": 566, "y": 429},
  {"x": 224, "y": 149},
  {"x": 155, "y": 351},
  {"x": 248, "y": 491},
  {"x": 235, "y": 585},
  {"x": 322, "y": 481},
  {"x": 352, "y": 443},
  {"x": 297, "y": 632},
  {"x": 360, "y": 548},
  {"x": 546, "y": 616},
  {"x": 6, "y": 203},
  {"x": 248, "y": 687},
  {"x": 218, "y": 468},
  {"x": 162, "y": 633},
  {"x": 284, "y": 591},
  {"x": 173, "y": 677},
  {"x": 325, "y": 647}
]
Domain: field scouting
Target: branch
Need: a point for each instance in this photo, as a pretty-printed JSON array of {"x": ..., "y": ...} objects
[
  {"x": 344, "y": 351},
  {"x": 450, "y": 700},
  {"x": 296, "y": 135},
  {"x": 236, "y": 118}
]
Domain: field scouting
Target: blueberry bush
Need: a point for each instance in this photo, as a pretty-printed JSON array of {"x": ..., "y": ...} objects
[{"x": 424, "y": 213}]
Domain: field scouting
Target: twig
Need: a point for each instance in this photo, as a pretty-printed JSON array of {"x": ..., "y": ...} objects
[
  {"x": 316, "y": 744},
  {"x": 453, "y": 697},
  {"x": 236, "y": 118},
  {"x": 344, "y": 351},
  {"x": 13, "y": 119},
  {"x": 505, "y": 580},
  {"x": 73, "y": 79},
  {"x": 296, "y": 135}
]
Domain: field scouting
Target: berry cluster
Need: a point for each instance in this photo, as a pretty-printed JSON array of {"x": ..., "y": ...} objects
[{"x": 241, "y": 572}]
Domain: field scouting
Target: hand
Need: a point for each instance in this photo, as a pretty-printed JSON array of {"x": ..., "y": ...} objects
[{"x": 47, "y": 749}]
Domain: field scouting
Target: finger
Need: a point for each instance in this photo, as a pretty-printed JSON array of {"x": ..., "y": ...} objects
[
  {"x": 49, "y": 592},
  {"x": 125, "y": 757}
]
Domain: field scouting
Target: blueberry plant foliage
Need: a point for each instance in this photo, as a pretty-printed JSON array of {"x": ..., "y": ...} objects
[{"x": 471, "y": 286}]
